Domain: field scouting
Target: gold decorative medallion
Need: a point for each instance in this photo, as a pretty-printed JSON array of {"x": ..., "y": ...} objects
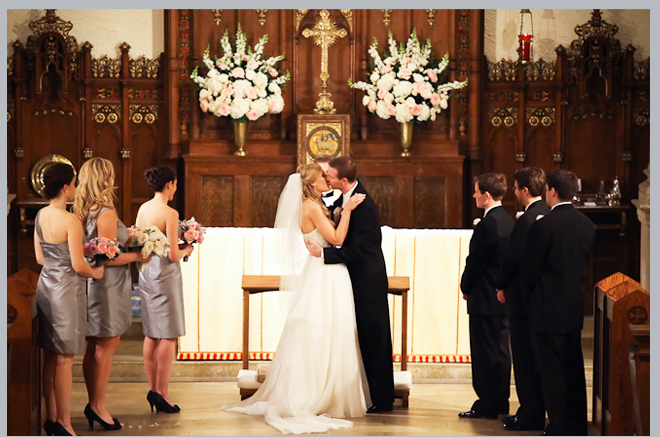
[
  {"x": 387, "y": 13},
  {"x": 39, "y": 167},
  {"x": 261, "y": 14},
  {"x": 217, "y": 16}
]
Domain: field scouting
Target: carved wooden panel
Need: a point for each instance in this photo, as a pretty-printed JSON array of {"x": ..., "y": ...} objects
[
  {"x": 383, "y": 190},
  {"x": 430, "y": 202},
  {"x": 264, "y": 196},
  {"x": 539, "y": 143},
  {"x": 217, "y": 200}
]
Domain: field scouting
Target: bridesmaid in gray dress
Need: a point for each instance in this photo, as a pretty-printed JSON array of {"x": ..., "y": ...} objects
[
  {"x": 161, "y": 289},
  {"x": 60, "y": 295},
  {"x": 109, "y": 312}
]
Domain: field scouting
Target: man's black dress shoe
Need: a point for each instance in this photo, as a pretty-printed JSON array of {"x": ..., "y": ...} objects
[
  {"x": 380, "y": 408},
  {"x": 510, "y": 419},
  {"x": 476, "y": 415}
]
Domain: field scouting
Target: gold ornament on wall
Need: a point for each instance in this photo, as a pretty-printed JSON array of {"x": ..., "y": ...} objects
[
  {"x": 261, "y": 14},
  {"x": 387, "y": 13},
  {"x": 106, "y": 67},
  {"x": 325, "y": 32},
  {"x": 300, "y": 14},
  {"x": 102, "y": 113},
  {"x": 431, "y": 14},
  {"x": 142, "y": 67},
  {"x": 217, "y": 16},
  {"x": 348, "y": 14}
]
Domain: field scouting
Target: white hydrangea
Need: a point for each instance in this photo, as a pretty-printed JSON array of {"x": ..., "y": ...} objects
[
  {"x": 239, "y": 108},
  {"x": 276, "y": 104},
  {"x": 274, "y": 88},
  {"x": 365, "y": 100},
  {"x": 250, "y": 74},
  {"x": 260, "y": 80},
  {"x": 389, "y": 98},
  {"x": 426, "y": 112},
  {"x": 386, "y": 81},
  {"x": 402, "y": 89},
  {"x": 239, "y": 88},
  {"x": 381, "y": 109},
  {"x": 403, "y": 113}
]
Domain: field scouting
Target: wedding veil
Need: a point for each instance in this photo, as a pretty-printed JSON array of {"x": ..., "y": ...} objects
[{"x": 293, "y": 252}]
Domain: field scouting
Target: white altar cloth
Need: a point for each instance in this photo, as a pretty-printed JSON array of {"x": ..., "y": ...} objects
[{"x": 433, "y": 259}]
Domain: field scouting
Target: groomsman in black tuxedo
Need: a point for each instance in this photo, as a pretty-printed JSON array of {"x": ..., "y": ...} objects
[
  {"x": 489, "y": 328},
  {"x": 553, "y": 274},
  {"x": 528, "y": 187},
  {"x": 363, "y": 256}
]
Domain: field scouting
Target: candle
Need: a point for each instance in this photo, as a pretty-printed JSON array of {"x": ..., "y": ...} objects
[{"x": 525, "y": 46}]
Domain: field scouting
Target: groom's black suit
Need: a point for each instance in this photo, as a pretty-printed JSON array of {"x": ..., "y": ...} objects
[{"x": 362, "y": 254}]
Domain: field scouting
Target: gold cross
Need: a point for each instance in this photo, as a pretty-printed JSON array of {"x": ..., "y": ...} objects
[{"x": 325, "y": 33}]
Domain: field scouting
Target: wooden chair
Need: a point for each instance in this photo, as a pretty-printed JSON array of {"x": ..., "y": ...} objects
[{"x": 248, "y": 380}]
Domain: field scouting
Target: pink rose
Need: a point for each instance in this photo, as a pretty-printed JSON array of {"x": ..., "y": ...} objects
[
  {"x": 407, "y": 60},
  {"x": 390, "y": 110},
  {"x": 246, "y": 58},
  {"x": 224, "y": 110},
  {"x": 272, "y": 72},
  {"x": 227, "y": 91},
  {"x": 416, "y": 110},
  {"x": 251, "y": 93},
  {"x": 404, "y": 73},
  {"x": 238, "y": 72},
  {"x": 102, "y": 247},
  {"x": 382, "y": 93},
  {"x": 417, "y": 88},
  {"x": 252, "y": 115},
  {"x": 386, "y": 69},
  {"x": 189, "y": 236},
  {"x": 372, "y": 106},
  {"x": 112, "y": 251},
  {"x": 204, "y": 105},
  {"x": 432, "y": 76},
  {"x": 435, "y": 99}
]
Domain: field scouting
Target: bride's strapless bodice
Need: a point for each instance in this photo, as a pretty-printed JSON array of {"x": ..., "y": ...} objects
[{"x": 316, "y": 236}]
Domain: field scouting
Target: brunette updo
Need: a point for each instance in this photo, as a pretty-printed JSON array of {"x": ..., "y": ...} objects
[
  {"x": 157, "y": 177},
  {"x": 55, "y": 178}
]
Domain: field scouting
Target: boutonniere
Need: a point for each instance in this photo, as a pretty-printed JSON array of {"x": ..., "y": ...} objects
[
  {"x": 519, "y": 214},
  {"x": 476, "y": 221},
  {"x": 539, "y": 217}
]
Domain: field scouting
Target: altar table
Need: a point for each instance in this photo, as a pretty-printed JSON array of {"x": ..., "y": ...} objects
[{"x": 433, "y": 259}]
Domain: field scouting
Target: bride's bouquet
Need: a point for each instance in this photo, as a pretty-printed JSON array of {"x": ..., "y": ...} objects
[
  {"x": 190, "y": 232},
  {"x": 101, "y": 249},
  {"x": 406, "y": 84},
  {"x": 241, "y": 84},
  {"x": 150, "y": 241}
]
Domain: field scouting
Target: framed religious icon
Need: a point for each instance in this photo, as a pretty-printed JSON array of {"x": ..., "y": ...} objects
[{"x": 319, "y": 134}]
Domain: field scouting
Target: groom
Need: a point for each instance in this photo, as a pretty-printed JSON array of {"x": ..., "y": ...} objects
[{"x": 362, "y": 254}]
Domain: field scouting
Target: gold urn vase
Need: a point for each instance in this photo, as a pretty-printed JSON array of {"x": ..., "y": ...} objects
[
  {"x": 240, "y": 136},
  {"x": 406, "y": 137}
]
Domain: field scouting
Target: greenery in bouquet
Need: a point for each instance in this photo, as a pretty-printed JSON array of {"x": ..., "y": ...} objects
[
  {"x": 407, "y": 83},
  {"x": 242, "y": 83}
]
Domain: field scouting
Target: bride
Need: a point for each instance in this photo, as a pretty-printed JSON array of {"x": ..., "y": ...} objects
[{"x": 316, "y": 377}]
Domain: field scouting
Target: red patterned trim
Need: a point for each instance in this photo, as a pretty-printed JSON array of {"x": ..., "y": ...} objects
[
  {"x": 463, "y": 36},
  {"x": 268, "y": 356}
]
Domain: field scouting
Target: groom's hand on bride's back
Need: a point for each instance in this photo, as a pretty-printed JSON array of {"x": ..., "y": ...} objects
[{"x": 313, "y": 247}]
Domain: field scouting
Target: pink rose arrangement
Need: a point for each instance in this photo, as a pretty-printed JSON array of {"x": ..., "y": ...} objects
[
  {"x": 242, "y": 84},
  {"x": 101, "y": 249},
  {"x": 405, "y": 84},
  {"x": 190, "y": 232}
]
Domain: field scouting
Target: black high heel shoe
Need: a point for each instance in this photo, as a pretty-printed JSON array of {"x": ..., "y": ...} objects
[
  {"x": 59, "y": 429},
  {"x": 92, "y": 416},
  {"x": 151, "y": 398},
  {"x": 48, "y": 427},
  {"x": 162, "y": 405}
]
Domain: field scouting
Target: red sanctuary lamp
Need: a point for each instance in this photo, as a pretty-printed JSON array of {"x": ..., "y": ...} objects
[{"x": 526, "y": 36}]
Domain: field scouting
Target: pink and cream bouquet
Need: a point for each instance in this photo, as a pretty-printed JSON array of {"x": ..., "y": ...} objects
[
  {"x": 407, "y": 83},
  {"x": 150, "y": 241},
  {"x": 190, "y": 232},
  {"x": 242, "y": 84},
  {"x": 101, "y": 249}
]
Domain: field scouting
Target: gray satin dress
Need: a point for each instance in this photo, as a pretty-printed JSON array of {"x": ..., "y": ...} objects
[
  {"x": 109, "y": 311},
  {"x": 161, "y": 299},
  {"x": 61, "y": 301}
]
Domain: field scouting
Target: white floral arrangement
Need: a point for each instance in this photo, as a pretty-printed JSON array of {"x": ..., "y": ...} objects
[
  {"x": 149, "y": 241},
  {"x": 241, "y": 84},
  {"x": 405, "y": 84}
]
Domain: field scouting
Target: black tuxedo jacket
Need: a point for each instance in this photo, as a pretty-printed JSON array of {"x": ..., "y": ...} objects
[
  {"x": 361, "y": 251},
  {"x": 508, "y": 277},
  {"x": 487, "y": 248},
  {"x": 554, "y": 269}
]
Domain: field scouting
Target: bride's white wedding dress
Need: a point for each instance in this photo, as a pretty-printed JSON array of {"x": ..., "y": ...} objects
[{"x": 317, "y": 376}]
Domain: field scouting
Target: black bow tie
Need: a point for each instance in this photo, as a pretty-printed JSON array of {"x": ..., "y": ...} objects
[{"x": 328, "y": 194}]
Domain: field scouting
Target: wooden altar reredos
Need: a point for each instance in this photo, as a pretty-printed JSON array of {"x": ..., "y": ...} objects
[{"x": 422, "y": 191}]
